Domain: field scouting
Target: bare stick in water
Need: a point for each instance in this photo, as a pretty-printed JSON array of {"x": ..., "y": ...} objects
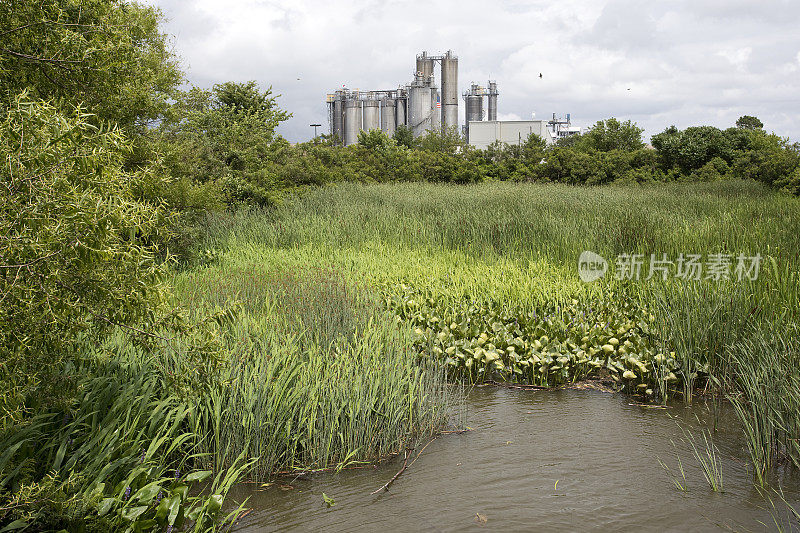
[{"x": 397, "y": 475}]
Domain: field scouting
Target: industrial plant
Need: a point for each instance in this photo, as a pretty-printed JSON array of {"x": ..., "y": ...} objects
[
  {"x": 422, "y": 107},
  {"x": 418, "y": 105}
]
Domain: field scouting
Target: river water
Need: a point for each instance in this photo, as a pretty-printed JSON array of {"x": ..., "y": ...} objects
[{"x": 569, "y": 460}]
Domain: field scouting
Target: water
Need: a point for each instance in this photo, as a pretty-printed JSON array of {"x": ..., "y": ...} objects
[{"x": 601, "y": 449}]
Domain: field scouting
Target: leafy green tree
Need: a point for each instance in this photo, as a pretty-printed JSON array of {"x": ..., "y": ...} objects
[
  {"x": 692, "y": 148},
  {"x": 769, "y": 159},
  {"x": 403, "y": 136},
  {"x": 714, "y": 170},
  {"x": 748, "y": 122},
  {"x": 74, "y": 252},
  {"x": 374, "y": 139},
  {"x": 533, "y": 149},
  {"x": 565, "y": 165},
  {"x": 571, "y": 141},
  {"x": 448, "y": 140},
  {"x": 225, "y": 135},
  {"x": 108, "y": 55},
  {"x": 611, "y": 134}
]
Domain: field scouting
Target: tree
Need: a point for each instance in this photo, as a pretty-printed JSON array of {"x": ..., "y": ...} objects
[
  {"x": 107, "y": 55},
  {"x": 692, "y": 148},
  {"x": 748, "y": 122},
  {"x": 611, "y": 134},
  {"x": 403, "y": 136},
  {"x": 533, "y": 149},
  {"x": 74, "y": 252},
  {"x": 448, "y": 140},
  {"x": 374, "y": 139},
  {"x": 228, "y": 135}
]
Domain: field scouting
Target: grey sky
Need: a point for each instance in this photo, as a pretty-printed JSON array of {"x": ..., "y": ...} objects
[{"x": 682, "y": 62}]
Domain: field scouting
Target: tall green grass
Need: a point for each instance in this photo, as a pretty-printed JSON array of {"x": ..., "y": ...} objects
[
  {"x": 122, "y": 456},
  {"x": 317, "y": 373},
  {"x": 765, "y": 391},
  {"x": 303, "y": 371}
]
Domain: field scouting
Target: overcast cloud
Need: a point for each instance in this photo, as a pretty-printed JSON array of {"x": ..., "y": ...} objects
[{"x": 682, "y": 62}]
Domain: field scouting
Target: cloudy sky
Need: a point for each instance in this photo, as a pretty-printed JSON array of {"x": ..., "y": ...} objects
[{"x": 682, "y": 62}]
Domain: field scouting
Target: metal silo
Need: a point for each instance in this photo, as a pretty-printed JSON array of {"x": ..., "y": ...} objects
[
  {"x": 388, "y": 117},
  {"x": 425, "y": 66},
  {"x": 436, "y": 109},
  {"x": 419, "y": 106},
  {"x": 372, "y": 119},
  {"x": 329, "y": 103},
  {"x": 400, "y": 110},
  {"x": 338, "y": 115},
  {"x": 449, "y": 90},
  {"x": 352, "y": 120},
  {"x": 492, "y": 100},
  {"x": 474, "y": 104},
  {"x": 473, "y": 100}
]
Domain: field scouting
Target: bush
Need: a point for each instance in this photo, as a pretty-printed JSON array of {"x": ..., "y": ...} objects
[{"x": 79, "y": 252}]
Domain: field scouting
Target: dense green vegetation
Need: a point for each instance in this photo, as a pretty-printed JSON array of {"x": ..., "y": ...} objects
[
  {"x": 487, "y": 277},
  {"x": 255, "y": 167},
  {"x": 186, "y": 303}
]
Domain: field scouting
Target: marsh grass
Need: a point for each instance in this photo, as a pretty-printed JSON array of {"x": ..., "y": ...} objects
[
  {"x": 765, "y": 392},
  {"x": 785, "y": 517},
  {"x": 707, "y": 456},
  {"x": 679, "y": 483},
  {"x": 698, "y": 322},
  {"x": 705, "y": 453},
  {"x": 318, "y": 374},
  {"x": 513, "y": 248},
  {"x": 111, "y": 458}
]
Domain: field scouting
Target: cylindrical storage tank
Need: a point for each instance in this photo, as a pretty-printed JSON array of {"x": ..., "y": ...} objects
[
  {"x": 400, "y": 111},
  {"x": 425, "y": 66},
  {"x": 419, "y": 107},
  {"x": 474, "y": 108},
  {"x": 352, "y": 121},
  {"x": 492, "y": 101},
  {"x": 436, "y": 109},
  {"x": 338, "y": 117},
  {"x": 372, "y": 119},
  {"x": 388, "y": 117},
  {"x": 449, "y": 90}
]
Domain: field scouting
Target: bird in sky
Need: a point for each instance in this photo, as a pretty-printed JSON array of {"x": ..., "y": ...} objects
[{"x": 540, "y": 75}]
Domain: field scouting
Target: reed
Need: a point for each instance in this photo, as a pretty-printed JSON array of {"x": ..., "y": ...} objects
[
  {"x": 317, "y": 373},
  {"x": 765, "y": 392}
]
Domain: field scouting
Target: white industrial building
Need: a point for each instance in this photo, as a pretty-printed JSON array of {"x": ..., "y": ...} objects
[{"x": 484, "y": 132}]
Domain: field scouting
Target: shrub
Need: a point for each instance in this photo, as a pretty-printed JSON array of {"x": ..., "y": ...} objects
[{"x": 78, "y": 252}]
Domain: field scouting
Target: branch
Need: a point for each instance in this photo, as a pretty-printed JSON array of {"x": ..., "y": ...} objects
[
  {"x": 65, "y": 24},
  {"x": 101, "y": 316},
  {"x": 48, "y": 256},
  {"x": 397, "y": 475},
  {"x": 43, "y": 70},
  {"x": 40, "y": 59},
  {"x": 132, "y": 328}
]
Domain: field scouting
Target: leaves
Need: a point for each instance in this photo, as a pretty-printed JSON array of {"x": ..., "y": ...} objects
[{"x": 77, "y": 257}]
